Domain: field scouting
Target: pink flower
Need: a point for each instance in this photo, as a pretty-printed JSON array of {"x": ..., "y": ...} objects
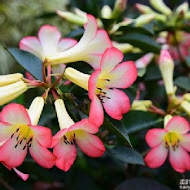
[
  {"x": 89, "y": 49},
  {"x": 48, "y": 42},
  {"x": 17, "y": 135},
  {"x": 72, "y": 134},
  {"x": 103, "y": 83},
  {"x": 173, "y": 140}
]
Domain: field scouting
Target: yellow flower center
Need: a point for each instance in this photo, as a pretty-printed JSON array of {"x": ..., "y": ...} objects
[
  {"x": 172, "y": 140},
  {"x": 24, "y": 135},
  {"x": 69, "y": 137}
]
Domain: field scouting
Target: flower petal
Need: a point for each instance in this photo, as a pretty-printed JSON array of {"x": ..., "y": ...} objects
[
  {"x": 90, "y": 144},
  {"x": 185, "y": 142},
  {"x": 179, "y": 159},
  {"x": 6, "y": 130},
  {"x": 58, "y": 69},
  {"x": 92, "y": 83},
  {"x": 10, "y": 155},
  {"x": 178, "y": 124},
  {"x": 110, "y": 59},
  {"x": 96, "y": 114},
  {"x": 66, "y": 155},
  {"x": 22, "y": 175},
  {"x": 123, "y": 75},
  {"x": 43, "y": 135},
  {"x": 15, "y": 114},
  {"x": 66, "y": 43},
  {"x": 49, "y": 37},
  {"x": 117, "y": 105},
  {"x": 32, "y": 45},
  {"x": 154, "y": 137},
  {"x": 157, "y": 156},
  {"x": 42, "y": 155}
]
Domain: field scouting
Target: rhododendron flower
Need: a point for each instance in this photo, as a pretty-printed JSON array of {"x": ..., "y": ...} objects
[
  {"x": 9, "y": 79},
  {"x": 89, "y": 49},
  {"x": 12, "y": 91},
  {"x": 103, "y": 83},
  {"x": 49, "y": 42},
  {"x": 18, "y": 135},
  {"x": 173, "y": 140},
  {"x": 80, "y": 133}
]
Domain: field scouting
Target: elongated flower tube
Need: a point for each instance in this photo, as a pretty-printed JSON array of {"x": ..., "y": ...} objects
[
  {"x": 72, "y": 134},
  {"x": 48, "y": 42},
  {"x": 103, "y": 83},
  {"x": 144, "y": 60},
  {"x": 89, "y": 49},
  {"x": 174, "y": 141},
  {"x": 12, "y": 91},
  {"x": 19, "y": 135},
  {"x": 166, "y": 66},
  {"x": 9, "y": 79}
]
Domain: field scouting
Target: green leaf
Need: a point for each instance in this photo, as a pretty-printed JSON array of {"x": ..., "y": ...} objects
[
  {"x": 183, "y": 82},
  {"x": 117, "y": 128},
  {"x": 125, "y": 154},
  {"x": 137, "y": 120},
  {"x": 29, "y": 61},
  {"x": 146, "y": 43}
]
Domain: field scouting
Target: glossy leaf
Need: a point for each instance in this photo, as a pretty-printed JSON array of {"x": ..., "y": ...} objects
[{"x": 183, "y": 82}]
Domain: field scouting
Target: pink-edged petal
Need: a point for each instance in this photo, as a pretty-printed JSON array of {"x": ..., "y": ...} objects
[
  {"x": 58, "y": 69},
  {"x": 185, "y": 142},
  {"x": 96, "y": 114},
  {"x": 32, "y": 45},
  {"x": 66, "y": 43},
  {"x": 22, "y": 175},
  {"x": 58, "y": 136},
  {"x": 178, "y": 124},
  {"x": 42, "y": 155},
  {"x": 123, "y": 75},
  {"x": 15, "y": 114},
  {"x": 117, "y": 104},
  {"x": 90, "y": 144},
  {"x": 144, "y": 60},
  {"x": 85, "y": 125},
  {"x": 157, "y": 156},
  {"x": 179, "y": 159},
  {"x": 154, "y": 137},
  {"x": 92, "y": 83},
  {"x": 66, "y": 155},
  {"x": 49, "y": 37},
  {"x": 110, "y": 59},
  {"x": 43, "y": 135},
  {"x": 11, "y": 156}
]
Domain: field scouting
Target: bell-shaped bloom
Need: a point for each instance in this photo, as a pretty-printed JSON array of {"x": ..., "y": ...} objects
[
  {"x": 9, "y": 79},
  {"x": 48, "y": 42},
  {"x": 89, "y": 49},
  {"x": 19, "y": 135},
  {"x": 103, "y": 83},
  {"x": 173, "y": 140},
  {"x": 72, "y": 134},
  {"x": 12, "y": 91},
  {"x": 166, "y": 66}
]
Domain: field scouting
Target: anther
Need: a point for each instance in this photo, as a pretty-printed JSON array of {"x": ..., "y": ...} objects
[
  {"x": 16, "y": 145},
  {"x": 12, "y": 135},
  {"x": 24, "y": 147},
  {"x": 17, "y": 130},
  {"x": 65, "y": 137},
  {"x": 108, "y": 97},
  {"x": 65, "y": 141},
  {"x": 107, "y": 80}
]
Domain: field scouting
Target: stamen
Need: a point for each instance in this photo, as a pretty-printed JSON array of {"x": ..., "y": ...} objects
[
  {"x": 107, "y": 80},
  {"x": 24, "y": 147},
  {"x": 12, "y": 135}
]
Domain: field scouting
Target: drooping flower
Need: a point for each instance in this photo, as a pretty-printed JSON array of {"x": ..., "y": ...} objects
[
  {"x": 18, "y": 135},
  {"x": 48, "y": 42},
  {"x": 173, "y": 140},
  {"x": 103, "y": 83},
  {"x": 89, "y": 49},
  {"x": 80, "y": 133}
]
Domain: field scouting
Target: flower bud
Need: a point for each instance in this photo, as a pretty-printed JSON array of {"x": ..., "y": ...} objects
[
  {"x": 9, "y": 79},
  {"x": 71, "y": 17},
  {"x": 12, "y": 91},
  {"x": 143, "y": 8},
  {"x": 124, "y": 47},
  {"x": 77, "y": 77},
  {"x": 141, "y": 105},
  {"x": 167, "y": 119},
  {"x": 144, "y": 19},
  {"x": 186, "y": 97},
  {"x": 160, "y": 6},
  {"x": 185, "y": 106},
  {"x": 184, "y": 7},
  {"x": 35, "y": 110},
  {"x": 119, "y": 8},
  {"x": 106, "y": 12},
  {"x": 166, "y": 66}
]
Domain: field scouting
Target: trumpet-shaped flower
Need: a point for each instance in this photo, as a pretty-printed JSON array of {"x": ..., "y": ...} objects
[
  {"x": 173, "y": 140},
  {"x": 12, "y": 91},
  {"x": 103, "y": 83},
  {"x": 9, "y": 79},
  {"x": 48, "y": 42},
  {"x": 89, "y": 49},
  {"x": 18, "y": 135},
  {"x": 80, "y": 133}
]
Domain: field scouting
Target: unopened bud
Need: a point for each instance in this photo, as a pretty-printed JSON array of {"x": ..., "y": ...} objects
[
  {"x": 185, "y": 106},
  {"x": 119, "y": 8},
  {"x": 106, "y": 12},
  {"x": 141, "y": 105},
  {"x": 186, "y": 97},
  {"x": 143, "y": 8},
  {"x": 184, "y": 7},
  {"x": 167, "y": 119},
  {"x": 144, "y": 19},
  {"x": 123, "y": 47},
  {"x": 9, "y": 79}
]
